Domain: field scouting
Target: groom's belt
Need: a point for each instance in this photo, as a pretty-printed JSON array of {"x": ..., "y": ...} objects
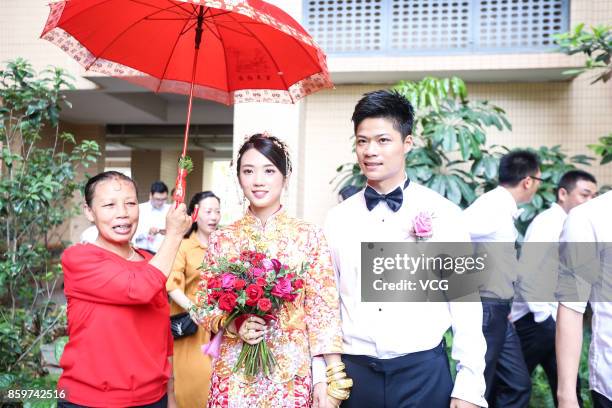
[
  {"x": 485, "y": 299},
  {"x": 393, "y": 364}
]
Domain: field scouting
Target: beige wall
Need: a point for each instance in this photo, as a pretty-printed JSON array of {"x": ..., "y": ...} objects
[{"x": 97, "y": 133}]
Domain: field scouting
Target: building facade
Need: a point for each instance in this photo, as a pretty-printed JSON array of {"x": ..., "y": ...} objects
[{"x": 501, "y": 48}]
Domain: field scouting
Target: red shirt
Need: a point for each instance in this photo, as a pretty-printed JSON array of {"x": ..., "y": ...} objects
[{"x": 118, "y": 327}]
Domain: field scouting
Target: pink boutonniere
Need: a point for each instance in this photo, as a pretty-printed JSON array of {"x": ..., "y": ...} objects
[{"x": 422, "y": 226}]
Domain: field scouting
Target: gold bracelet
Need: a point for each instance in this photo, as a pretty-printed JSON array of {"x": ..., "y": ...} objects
[
  {"x": 335, "y": 368},
  {"x": 344, "y": 384},
  {"x": 338, "y": 394},
  {"x": 336, "y": 376}
]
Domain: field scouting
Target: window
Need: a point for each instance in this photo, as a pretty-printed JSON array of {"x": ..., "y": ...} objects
[{"x": 435, "y": 26}]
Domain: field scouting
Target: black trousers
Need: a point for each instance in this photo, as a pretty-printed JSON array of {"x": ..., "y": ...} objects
[
  {"x": 599, "y": 401},
  {"x": 416, "y": 380},
  {"x": 162, "y": 403},
  {"x": 538, "y": 346},
  {"x": 508, "y": 381}
]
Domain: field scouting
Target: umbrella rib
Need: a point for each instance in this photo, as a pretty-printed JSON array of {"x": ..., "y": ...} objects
[
  {"x": 169, "y": 19},
  {"x": 184, "y": 30},
  {"x": 161, "y": 79},
  {"x": 227, "y": 75},
  {"x": 173, "y": 5},
  {"x": 282, "y": 77},
  {"x": 210, "y": 28},
  {"x": 119, "y": 36}
]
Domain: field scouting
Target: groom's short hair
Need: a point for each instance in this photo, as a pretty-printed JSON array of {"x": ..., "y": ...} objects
[
  {"x": 385, "y": 104},
  {"x": 516, "y": 165}
]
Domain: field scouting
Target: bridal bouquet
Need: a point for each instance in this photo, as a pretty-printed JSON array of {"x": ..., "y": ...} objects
[{"x": 252, "y": 284}]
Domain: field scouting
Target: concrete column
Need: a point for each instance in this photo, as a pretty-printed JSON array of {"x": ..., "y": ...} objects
[{"x": 283, "y": 121}]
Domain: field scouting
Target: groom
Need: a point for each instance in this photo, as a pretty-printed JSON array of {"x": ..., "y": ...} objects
[{"x": 395, "y": 352}]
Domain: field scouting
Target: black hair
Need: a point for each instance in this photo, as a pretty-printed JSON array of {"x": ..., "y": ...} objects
[
  {"x": 516, "y": 165},
  {"x": 90, "y": 186},
  {"x": 159, "y": 187},
  {"x": 271, "y": 147},
  {"x": 197, "y": 197},
  {"x": 386, "y": 104},
  {"x": 568, "y": 180}
]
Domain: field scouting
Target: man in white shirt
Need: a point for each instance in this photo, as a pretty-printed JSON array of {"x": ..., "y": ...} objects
[
  {"x": 491, "y": 222},
  {"x": 586, "y": 268},
  {"x": 534, "y": 308},
  {"x": 152, "y": 219},
  {"x": 394, "y": 351}
]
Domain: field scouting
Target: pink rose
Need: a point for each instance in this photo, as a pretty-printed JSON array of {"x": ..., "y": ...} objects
[
  {"x": 227, "y": 280},
  {"x": 422, "y": 225},
  {"x": 267, "y": 264},
  {"x": 282, "y": 288},
  {"x": 257, "y": 272}
]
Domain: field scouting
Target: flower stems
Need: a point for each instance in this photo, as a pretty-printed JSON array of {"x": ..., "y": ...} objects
[{"x": 254, "y": 359}]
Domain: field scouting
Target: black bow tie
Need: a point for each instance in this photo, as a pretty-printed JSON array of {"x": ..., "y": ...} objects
[{"x": 394, "y": 199}]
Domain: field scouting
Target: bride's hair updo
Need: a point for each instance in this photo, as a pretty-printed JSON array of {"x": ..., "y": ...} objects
[{"x": 271, "y": 147}]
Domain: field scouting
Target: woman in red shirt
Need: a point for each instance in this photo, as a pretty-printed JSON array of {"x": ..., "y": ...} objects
[{"x": 120, "y": 347}]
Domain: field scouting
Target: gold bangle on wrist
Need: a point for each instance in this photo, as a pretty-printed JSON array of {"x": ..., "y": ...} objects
[
  {"x": 337, "y": 394},
  {"x": 335, "y": 368},
  {"x": 344, "y": 384},
  {"x": 336, "y": 376}
]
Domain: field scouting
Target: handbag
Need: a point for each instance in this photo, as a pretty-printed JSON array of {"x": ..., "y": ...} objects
[{"x": 182, "y": 325}]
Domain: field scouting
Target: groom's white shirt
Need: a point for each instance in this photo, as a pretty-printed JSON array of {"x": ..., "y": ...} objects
[{"x": 388, "y": 330}]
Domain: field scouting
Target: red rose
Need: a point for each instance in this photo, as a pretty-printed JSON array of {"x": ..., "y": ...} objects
[
  {"x": 227, "y": 301},
  {"x": 260, "y": 282},
  {"x": 264, "y": 304},
  {"x": 215, "y": 294},
  {"x": 277, "y": 264},
  {"x": 298, "y": 283},
  {"x": 213, "y": 283},
  {"x": 290, "y": 297},
  {"x": 239, "y": 284},
  {"x": 254, "y": 292}
]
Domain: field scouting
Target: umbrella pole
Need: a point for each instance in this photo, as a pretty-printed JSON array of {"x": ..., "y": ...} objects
[{"x": 179, "y": 194}]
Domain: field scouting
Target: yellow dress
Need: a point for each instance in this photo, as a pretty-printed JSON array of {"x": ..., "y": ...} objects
[
  {"x": 191, "y": 368},
  {"x": 306, "y": 327}
]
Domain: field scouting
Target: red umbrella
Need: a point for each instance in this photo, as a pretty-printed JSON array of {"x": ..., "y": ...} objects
[{"x": 225, "y": 50}]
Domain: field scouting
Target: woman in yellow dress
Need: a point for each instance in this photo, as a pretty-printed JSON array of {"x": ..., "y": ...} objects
[
  {"x": 305, "y": 328},
  {"x": 191, "y": 367}
]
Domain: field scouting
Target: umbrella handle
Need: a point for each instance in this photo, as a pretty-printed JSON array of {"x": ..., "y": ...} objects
[{"x": 179, "y": 187}]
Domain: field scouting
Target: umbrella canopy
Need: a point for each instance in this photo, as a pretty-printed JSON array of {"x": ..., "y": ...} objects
[
  {"x": 224, "y": 50},
  {"x": 250, "y": 51}
]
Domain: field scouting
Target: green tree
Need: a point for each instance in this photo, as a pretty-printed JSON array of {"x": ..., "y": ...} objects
[
  {"x": 597, "y": 46},
  {"x": 39, "y": 169}
]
